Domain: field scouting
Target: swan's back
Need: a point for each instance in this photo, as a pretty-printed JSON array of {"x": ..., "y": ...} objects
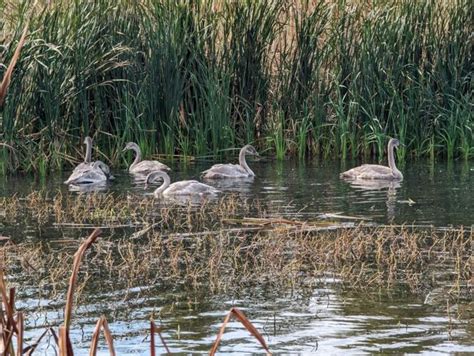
[
  {"x": 369, "y": 171},
  {"x": 146, "y": 167},
  {"x": 94, "y": 172},
  {"x": 225, "y": 171},
  {"x": 190, "y": 187},
  {"x": 87, "y": 176},
  {"x": 82, "y": 166}
]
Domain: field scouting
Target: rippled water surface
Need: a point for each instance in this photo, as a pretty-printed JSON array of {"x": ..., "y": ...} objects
[{"x": 325, "y": 318}]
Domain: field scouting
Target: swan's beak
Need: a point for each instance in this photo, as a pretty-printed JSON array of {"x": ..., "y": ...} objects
[{"x": 125, "y": 149}]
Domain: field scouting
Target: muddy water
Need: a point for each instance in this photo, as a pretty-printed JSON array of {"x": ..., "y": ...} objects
[{"x": 324, "y": 318}]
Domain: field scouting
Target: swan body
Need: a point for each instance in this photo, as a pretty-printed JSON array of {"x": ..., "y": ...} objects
[
  {"x": 241, "y": 170},
  {"x": 88, "y": 164},
  {"x": 143, "y": 167},
  {"x": 375, "y": 171},
  {"x": 183, "y": 188},
  {"x": 97, "y": 172}
]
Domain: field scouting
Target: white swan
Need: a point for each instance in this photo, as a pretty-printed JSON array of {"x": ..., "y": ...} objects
[
  {"x": 375, "y": 171},
  {"x": 185, "y": 187},
  {"x": 241, "y": 170},
  {"x": 87, "y": 158},
  {"x": 143, "y": 167},
  {"x": 97, "y": 172}
]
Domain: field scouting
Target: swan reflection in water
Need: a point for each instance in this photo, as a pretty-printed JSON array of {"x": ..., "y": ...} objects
[
  {"x": 89, "y": 188},
  {"x": 238, "y": 185},
  {"x": 374, "y": 189}
]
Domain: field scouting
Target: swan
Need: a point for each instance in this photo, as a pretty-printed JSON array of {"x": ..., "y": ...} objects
[
  {"x": 87, "y": 158},
  {"x": 184, "y": 187},
  {"x": 375, "y": 171},
  {"x": 87, "y": 164},
  {"x": 241, "y": 170},
  {"x": 143, "y": 167},
  {"x": 97, "y": 172}
]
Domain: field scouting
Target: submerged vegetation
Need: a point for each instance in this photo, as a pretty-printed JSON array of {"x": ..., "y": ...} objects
[
  {"x": 223, "y": 246},
  {"x": 240, "y": 245},
  {"x": 196, "y": 77}
]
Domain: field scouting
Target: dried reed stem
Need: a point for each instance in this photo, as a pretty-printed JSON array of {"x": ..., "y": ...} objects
[
  {"x": 245, "y": 322},
  {"x": 102, "y": 324},
  {"x": 20, "y": 326},
  {"x": 63, "y": 342},
  {"x": 8, "y": 74},
  {"x": 154, "y": 329},
  {"x": 72, "y": 284}
]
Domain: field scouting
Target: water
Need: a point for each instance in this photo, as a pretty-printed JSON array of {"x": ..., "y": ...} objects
[
  {"x": 441, "y": 195},
  {"x": 324, "y": 318}
]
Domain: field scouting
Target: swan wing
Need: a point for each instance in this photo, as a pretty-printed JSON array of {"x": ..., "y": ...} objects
[
  {"x": 82, "y": 166},
  {"x": 87, "y": 176},
  {"x": 225, "y": 171},
  {"x": 146, "y": 167},
  {"x": 190, "y": 187},
  {"x": 369, "y": 171}
]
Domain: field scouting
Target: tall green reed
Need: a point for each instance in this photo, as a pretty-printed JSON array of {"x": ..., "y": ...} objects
[{"x": 332, "y": 79}]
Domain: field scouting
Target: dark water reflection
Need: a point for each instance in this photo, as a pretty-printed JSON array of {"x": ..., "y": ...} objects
[{"x": 323, "y": 319}]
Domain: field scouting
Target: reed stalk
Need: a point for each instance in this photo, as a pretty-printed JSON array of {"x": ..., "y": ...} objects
[
  {"x": 337, "y": 78},
  {"x": 240, "y": 316}
]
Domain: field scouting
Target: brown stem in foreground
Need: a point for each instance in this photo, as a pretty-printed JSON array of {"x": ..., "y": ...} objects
[
  {"x": 245, "y": 322},
  {"x": 8, "y": 74},
  {"x": 30, "y": 349},
  {"x": 102, "y": 324},
  {"x": 20, "y": 326},
  {"x": 154, "y": 329},
  {"x": 70, "y": 293}
]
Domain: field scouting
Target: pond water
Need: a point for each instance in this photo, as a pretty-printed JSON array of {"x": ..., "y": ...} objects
[
  {"x": 326, "y": 318},
  {"x": 440, "y": 194}
]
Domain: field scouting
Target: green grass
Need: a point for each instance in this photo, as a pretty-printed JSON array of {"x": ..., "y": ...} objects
[{"x": 193, "y": 78}]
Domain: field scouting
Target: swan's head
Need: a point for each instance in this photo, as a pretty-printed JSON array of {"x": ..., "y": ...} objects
[
  {"x": 394, "y": 142},
  {"x": 102, "y": 166},
  {"x": 131, "y": 146},
  {"x": 87, "y": 141},
  {"x": 250, "y": 150},
  {"x": 155, "y": 177}
]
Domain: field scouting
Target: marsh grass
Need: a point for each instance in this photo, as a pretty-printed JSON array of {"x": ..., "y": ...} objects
[
  {"x": 185, "y": 243},
  {"x": 194, "y": 78}
]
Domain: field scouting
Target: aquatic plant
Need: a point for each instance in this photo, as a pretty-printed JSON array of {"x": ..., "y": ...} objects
[{"x": 240, "y": 247}]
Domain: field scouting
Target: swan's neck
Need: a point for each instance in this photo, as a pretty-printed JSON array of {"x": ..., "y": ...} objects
[
  {"x": 163, "y": 186},
  {"x": 391, "y": 162},
  {"x": 138, "y": 157},
  {"x": 88, "y": 157},
  {"x": 244, "y": 164}
]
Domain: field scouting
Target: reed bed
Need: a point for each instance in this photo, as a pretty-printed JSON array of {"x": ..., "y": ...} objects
[{"x": 332, "y": 78}]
